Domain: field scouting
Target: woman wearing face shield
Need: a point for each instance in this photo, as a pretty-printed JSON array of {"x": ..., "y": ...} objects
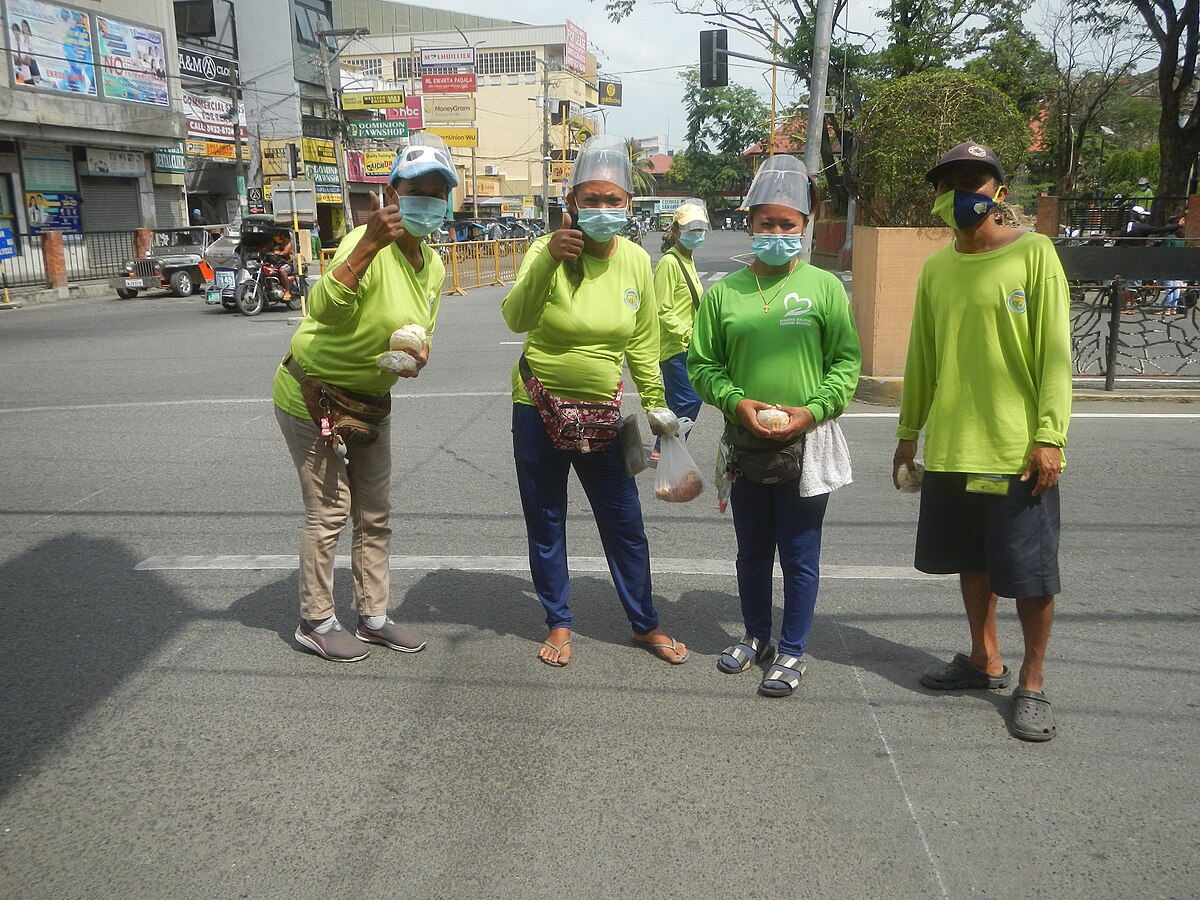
[
  {"x": 776, "y": 343},
  {"x": 585, "y": 298},
  {"x": 677, "y": 287},
  {"x": 383, "y": 277}
]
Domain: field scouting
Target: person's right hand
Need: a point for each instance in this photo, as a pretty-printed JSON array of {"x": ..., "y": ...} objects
[
  {"x": 384, "y": 224},
  {"x": 747, "y": 415},
  {"x": 567, "y": 242},
  {"x": 906, "y": 456}
]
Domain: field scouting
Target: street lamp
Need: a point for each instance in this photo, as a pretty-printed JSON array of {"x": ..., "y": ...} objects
[{"x": 1104, "y": 130}]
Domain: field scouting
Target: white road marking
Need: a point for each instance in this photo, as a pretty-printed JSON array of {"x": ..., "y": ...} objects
[{"x": 660, "y": 565}]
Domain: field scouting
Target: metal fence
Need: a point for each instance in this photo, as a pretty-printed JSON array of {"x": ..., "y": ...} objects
[
  {"x": 91, "y": 256},
  {"x": 1090, "y": 216},
  {"x": 471, "y": 264}
]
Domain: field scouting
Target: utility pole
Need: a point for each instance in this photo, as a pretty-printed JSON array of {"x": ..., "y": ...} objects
[
  {"x": 335, "y": 109},
  {"x": 818, "y": 81},
  {"x": 545, "y": 144}
]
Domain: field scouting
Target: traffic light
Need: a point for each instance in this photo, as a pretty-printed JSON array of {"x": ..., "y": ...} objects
[
  {"x": 293, "y": 161},
  {"x": 714, "y": 64}
]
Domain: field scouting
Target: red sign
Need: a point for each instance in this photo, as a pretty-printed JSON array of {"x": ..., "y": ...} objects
[
  {"x": 412, "y": 113},
  {"x": 462, "y": 83}
]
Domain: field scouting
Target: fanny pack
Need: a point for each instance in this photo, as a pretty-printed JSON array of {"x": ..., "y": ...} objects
[
  {"x": 763, "y": 460},
  {"x": 345, "y": 417},
  {"x": 585, "y": 426}
]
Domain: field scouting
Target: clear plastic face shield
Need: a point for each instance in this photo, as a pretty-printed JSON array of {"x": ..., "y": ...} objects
[
  {"x": 781, "y": 180},
  {"x": 603, "y": 158}
]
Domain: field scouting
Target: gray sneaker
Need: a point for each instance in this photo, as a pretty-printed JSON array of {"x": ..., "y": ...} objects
[
  {"x": 398, "y": 637},
  {"x": 336, "y": 644}
]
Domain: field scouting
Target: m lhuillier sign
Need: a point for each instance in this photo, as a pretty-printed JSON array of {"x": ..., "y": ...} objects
[{"x": 206, "y": 67}]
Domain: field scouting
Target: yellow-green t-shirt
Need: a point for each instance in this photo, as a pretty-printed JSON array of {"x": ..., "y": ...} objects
[
  {"x": 676, "y": 308},
  {"x": 345, "y": 331}
]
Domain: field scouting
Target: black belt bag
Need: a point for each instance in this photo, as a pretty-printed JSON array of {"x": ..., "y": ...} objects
[{"x": 763, "y": 460}]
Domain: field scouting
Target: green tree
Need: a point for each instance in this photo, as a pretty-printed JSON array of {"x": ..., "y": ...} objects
[
  {"x": 1019, "y": 65},
  {"x": 915, "y": 120},
  {"x": 931, "y": 34},
  {"x": 642, "y": 168}
]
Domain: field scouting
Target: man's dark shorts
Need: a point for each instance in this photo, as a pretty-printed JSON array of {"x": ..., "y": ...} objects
[{"x": 1013, "y": 538}]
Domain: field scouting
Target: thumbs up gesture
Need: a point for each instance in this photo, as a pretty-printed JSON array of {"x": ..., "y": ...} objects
[
  {"x": 567, "y": 242},
  {"x": 384, "y": 224}
]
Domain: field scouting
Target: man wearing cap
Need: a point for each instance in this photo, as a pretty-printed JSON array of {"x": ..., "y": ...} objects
[
  {"x": 988, "y": 378},
  {"x": 382, "y": 277},
  {"x": 1143, "y": 194}
]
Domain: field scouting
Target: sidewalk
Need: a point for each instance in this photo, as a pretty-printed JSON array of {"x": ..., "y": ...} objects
[{"x": 885, "y": 390}]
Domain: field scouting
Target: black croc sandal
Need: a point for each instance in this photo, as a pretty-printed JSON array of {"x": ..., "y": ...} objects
[
  {"x": 783, "y": 676},
  {"x": 743, "y": 655}
]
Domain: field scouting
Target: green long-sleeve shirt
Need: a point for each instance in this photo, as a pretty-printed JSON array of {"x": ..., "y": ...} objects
[
  {"x": 345, "y": 331},
  {"x": 802, "y": 351},
  {"x": 676, "y": 308},
  {"x": 577, "y": 340},
  {"x": 989, "y": 358}
]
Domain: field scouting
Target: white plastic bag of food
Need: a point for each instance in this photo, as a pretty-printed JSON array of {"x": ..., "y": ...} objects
[
  {"x": 910, "y": 483},
  {"x": 677, "y": 479}
]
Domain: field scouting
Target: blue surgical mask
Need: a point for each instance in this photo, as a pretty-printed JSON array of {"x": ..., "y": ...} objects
[
  {"x": 602, "y": 225},
  {"x": 690, "y": 240},
  {"x": 963, "y": 209},
  {"x": 776, "y": 249},
  {"x": 422, "y": 215}
]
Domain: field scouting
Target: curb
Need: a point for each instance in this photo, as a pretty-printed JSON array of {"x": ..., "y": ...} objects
[{"x": 885, "y": 391}]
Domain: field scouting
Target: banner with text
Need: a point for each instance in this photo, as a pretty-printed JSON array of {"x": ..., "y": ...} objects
[
  {"x": 208, "y": 117},
  {"x": 379, "y": 100},
  {"x": 461, "y": 83},
  {"x": 456, "y": 110},
  {"x": 133, "y": 62},
  {"x": 457, "y": 137}
]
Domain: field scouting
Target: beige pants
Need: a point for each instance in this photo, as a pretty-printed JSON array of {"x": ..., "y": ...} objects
[{"x": 333, "y": 491}]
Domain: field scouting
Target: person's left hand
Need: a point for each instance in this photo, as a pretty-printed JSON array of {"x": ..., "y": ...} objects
[
  {"x": 800, "y": 420},
  {"x": 422, "y": 359},
  {"x": 1045, "y": 463}
]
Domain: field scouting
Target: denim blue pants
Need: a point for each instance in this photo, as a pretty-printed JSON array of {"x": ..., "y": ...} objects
[
  {"x": 767, "y": 516},
  {"x": 542, "y": 480},
  {"x": 681, "y": 396}
]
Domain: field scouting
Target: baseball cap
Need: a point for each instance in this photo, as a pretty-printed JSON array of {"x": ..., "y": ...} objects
[
  {"x": 781, "y": 180},
  {"x": 691, "y": 215},
  {"x": 1140, "y": 211},
  {"x": 424, "y": 153},
  {"x": 967, "y": 151},
  {"x": 603, "y": 158},
  {"x": 1143, "y": 181}
]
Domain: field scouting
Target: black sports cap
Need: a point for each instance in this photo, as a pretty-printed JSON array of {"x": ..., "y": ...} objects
[{"x": 967, "y": 151}]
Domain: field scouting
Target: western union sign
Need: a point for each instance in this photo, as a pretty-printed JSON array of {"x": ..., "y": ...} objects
[
  {"x": 457, "y": 137},
  {"x": 373, "y": 101}
]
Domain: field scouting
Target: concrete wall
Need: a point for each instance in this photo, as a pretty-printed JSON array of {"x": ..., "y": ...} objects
[{"x": 887, "y": 265}]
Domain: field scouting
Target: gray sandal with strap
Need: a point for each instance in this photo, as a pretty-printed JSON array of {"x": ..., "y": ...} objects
[
  {"x": 783, "y": 676},
  {"x": 742, "y": 655}
]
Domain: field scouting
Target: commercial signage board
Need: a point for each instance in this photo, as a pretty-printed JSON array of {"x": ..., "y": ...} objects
[
  {"x": 54, "y": 50},
  {"x": 211, "y": 149},
  {"x": 52, "y": 212},
  {"x": 448, "y": 57},
  {"x": 208, "y": 117},
  {"x": 575, "y": 55},
  {"x": 377, "y": 130},
  {"x": 412, "y": 112},
  {"x": 321, "y": 173},
  {"x": 172, "y": 160},
  {"x": 560, "y": 171},
  {"x": 456, "y": 137},
  {"x": 378, "y": 100},
  {"x": 610, "y": 92},
  {"x": 8, "y": 248},
  {"x": 115, "y": 163},
  {"x": 47, "y": 167},
  {"x": 133, "y": 62},
  {"x": 461, "y": 83},
  {"x": 207, "y": 67},
  {"x": 457, "y": 110}
]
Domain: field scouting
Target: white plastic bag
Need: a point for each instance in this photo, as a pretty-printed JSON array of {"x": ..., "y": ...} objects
[
  {"x": 678, "y": 478},
  {"x": 723, "y": 475}
]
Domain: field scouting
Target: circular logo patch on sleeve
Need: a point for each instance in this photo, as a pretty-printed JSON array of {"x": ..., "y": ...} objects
[
  {"x": 632, "y": 299},
  {"x": 1016, "y": 301}
]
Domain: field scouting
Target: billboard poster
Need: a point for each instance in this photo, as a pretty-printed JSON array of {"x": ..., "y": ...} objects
[
  {"x": 51, "y": 47},
  {"x": 461, "y": 83},
  {"x": 208, "y": 117},
  {"x": 610, "y": 92},
  {"x": 52, "y": 212},
  {"x": 369, "y": 165},
  {"x": 411, "y": 112},
  {"x": 575, "y": 55},
  {"x": 133, "y": 62}
]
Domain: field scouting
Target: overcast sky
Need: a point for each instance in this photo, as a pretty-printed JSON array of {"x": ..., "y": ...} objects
[{"x": 647, "y": 51}]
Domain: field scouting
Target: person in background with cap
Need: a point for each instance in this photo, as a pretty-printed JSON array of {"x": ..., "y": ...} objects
[
  {"x": 778, "y": 338},
  {"x": 1135, "y": 233},
  {"x": 382, "y": 277},
  {"x": 678, "y": 290},
  {"x": 1143, "y": 194},
  {"x": 988, "y": 378},
  {"x": 585, "y": 296}
]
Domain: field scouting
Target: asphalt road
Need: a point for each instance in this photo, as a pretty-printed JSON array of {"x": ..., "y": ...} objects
[{"x": 161, "y": 735}]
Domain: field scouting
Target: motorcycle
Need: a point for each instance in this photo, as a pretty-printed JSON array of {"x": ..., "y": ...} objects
[
  {"x": 266, "y": 276},
  {"x": 633, "y": 231}
]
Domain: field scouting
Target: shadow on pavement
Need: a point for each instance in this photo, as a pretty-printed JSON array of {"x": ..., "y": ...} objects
[{"x": 77, "y": 625}]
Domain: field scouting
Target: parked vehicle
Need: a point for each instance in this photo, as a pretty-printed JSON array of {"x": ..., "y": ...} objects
[{"x": 175, "y": 262}]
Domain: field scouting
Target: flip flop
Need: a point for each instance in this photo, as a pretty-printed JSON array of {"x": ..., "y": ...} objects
[
  {"x": 1032, "y": 717},
  {"x": 783, "y": 676},
  {"x": 557, "y": 662},
  {"x": 743, "y": 655},
  {"x": 961, "y": 674},
  {"x": 659, "y": 649}
]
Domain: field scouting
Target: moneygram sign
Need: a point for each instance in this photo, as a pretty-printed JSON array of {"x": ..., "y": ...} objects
[{"x": 206, "y": 67}]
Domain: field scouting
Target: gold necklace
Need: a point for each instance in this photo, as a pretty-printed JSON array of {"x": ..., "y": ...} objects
[{"x": 767, "y": 303}]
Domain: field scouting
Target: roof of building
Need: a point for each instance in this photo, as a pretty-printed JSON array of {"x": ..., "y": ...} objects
[{"x": 387, "y": 17}]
